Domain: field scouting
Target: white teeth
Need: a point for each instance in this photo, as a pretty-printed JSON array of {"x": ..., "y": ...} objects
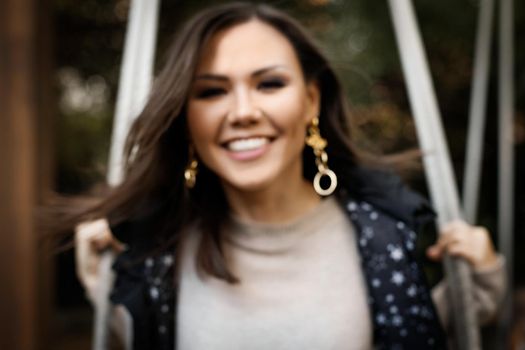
[{"x": 247, "y": 144}]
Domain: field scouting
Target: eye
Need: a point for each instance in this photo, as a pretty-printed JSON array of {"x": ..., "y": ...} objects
[
  {"x": 271, "y": 84},
  {"x": 210, "y": 92}
]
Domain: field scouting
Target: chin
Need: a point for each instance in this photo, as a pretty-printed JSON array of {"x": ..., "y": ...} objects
[
  {"x": 250, "y": 185},
  {"x": 251, "y": 181},
  {"x": 258, "y": 177}
]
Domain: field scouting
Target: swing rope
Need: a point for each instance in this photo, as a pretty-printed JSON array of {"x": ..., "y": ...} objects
[
  {"x": 134, "y": 85},
  {"x": 438, "y": 167},
  {"x": 477, "y": 112},
  {"x": 506, "y": 150}
]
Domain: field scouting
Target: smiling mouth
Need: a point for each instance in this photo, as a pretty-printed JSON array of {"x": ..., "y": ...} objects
[{"x": 247, "y": 144}]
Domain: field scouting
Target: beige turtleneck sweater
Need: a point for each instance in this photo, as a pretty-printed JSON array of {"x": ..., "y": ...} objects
[{"x": 301, "y": 288}]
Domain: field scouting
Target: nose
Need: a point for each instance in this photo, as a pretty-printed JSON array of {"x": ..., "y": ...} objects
[{"x": 244, "y": 110}]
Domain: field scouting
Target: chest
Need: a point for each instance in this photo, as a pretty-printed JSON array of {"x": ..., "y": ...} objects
[{"x": 309, "y": 296}]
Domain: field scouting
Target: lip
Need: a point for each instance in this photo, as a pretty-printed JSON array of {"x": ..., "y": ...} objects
[
  {"x": 248, "y": 155},
  {"x": 244, "y": 137}
]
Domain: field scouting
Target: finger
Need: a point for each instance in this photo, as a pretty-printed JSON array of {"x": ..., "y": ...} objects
[
  {"x": 470, "y": 236},
  {"x": 93, "y": 229},
  {"x": 445, "y": 240},
  {"x": 101, "y": 243},
  {"x": 457, "y": 232},
  {"x": 434, "y": 253},
  {"x": 454, "y": 232},
  {"x": 461, "y": 252},
  {"x": 454, "y": 225},
  {"x": 450, "y": 238},
  {"x": 482, "y": 234},
  {"x": 442, "y": 247},
  {"x": 86, "y": 257},
  {"x": 117, "y": 246}
]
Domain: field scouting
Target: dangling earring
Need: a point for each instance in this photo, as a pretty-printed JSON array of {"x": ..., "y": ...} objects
[
  {"x": 190, "y": 173},
  {"x": 318, "y": 143}
]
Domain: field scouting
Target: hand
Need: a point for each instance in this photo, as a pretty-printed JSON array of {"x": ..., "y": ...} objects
[
  {"x": 460, "y": 239},
  {"x": 91, "y": 239}
]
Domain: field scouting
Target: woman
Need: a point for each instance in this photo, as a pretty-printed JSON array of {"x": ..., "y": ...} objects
[{"x": 248, "y": 218}]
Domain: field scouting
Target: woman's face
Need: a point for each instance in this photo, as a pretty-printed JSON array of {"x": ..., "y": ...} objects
[{"x": 249, "y": 107}]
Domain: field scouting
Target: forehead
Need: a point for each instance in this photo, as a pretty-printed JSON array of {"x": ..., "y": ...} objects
[{"x": 245, "y": 48}]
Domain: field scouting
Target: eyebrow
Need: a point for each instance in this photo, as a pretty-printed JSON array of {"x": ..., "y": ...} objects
[{"x": 218, "y": 77}]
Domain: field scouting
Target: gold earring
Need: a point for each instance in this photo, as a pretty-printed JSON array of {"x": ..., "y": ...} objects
[
  {"x": 190, "y": 173},
  {"x": 318, "y": 143}
]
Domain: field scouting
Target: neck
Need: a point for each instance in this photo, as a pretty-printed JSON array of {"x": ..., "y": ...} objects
[{"x": 278, "y": 203}]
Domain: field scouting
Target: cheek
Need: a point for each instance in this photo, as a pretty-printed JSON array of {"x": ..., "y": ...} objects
[
  {"x": 290, "y": 113},
  {"x": 197, "y": 127},
  {"x": 203, "y": 116},
  {"x": 201, "y": 128}
]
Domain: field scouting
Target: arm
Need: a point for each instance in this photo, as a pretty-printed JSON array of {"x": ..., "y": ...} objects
[
  {"x": 488, "y": 269},
  {"x": 91, "y": 239}
]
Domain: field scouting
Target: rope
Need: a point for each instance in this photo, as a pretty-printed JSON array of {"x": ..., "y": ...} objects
[
  {"x": 134, "y": 85},
  {"x": 477, "y": 111},
  {"x": 506, "y": 148},
  {"x": 438, "y": 168}
]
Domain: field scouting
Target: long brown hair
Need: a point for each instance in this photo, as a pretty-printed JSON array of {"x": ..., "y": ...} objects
[{"x": 156, "y": 150}]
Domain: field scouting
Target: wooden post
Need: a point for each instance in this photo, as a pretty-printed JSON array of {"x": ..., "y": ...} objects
[
  {"x": 17, "y": 185},
  {"x": 24, "y": 296}
]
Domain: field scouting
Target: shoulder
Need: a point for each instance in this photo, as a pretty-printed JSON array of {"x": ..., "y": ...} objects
[
  {"x": 377, "y": 230},
  {"x": 387, "y": 194}
]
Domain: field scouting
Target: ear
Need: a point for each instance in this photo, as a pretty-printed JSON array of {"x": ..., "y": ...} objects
[{"x": 313, "y": 101}]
